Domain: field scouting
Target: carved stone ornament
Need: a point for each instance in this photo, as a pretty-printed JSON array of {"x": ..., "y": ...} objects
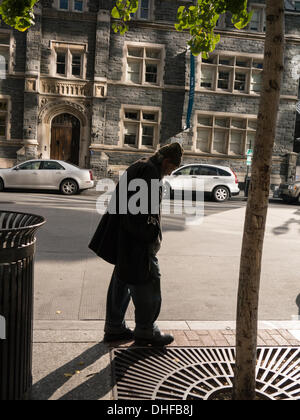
[
  {"x": 49, "y": 108},
  {"x": 100, "y": 90},
  {"x": 30, "y": 85}
]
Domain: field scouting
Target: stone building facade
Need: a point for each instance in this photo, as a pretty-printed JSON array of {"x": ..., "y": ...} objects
[{"x": 74, "y": 90}]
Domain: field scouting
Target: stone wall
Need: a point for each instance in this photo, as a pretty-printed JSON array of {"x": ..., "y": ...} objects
[{"x": 32, "y": 55}]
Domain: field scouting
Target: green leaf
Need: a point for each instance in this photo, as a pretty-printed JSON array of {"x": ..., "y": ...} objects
[{"x": 115, "y": 13}]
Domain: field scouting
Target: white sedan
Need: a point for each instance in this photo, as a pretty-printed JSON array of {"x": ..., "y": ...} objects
[{"x": 47, "y": 175}]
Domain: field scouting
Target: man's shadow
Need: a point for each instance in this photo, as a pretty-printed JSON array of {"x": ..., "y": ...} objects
[
  {"x": 46, "y": 387},
  {"x": 97, "y": 384}
]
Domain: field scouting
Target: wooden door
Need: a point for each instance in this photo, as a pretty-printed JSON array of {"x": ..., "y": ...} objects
[{"x": 65, "y": 138}]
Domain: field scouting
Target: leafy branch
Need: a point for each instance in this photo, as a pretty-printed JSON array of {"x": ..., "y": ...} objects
[
  {"x": 18, "y": 13},
  {"x": 123, "y": 12},
  {"x": 200, "y": 20}
]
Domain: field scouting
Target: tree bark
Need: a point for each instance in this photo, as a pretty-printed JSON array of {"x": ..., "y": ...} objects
[{"x": 256, "y": 214}]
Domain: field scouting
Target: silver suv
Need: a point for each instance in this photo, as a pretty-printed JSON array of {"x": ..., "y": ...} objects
[{"x": 219, "y": 181}]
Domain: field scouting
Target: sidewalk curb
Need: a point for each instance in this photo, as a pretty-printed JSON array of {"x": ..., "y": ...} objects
[{"x": 285, "y": 332}]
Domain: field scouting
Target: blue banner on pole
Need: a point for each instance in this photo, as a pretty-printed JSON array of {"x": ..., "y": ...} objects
[{"x": 192, "y": 93}]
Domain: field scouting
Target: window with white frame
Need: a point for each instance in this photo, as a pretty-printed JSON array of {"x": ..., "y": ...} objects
[
  {"x": 4, "y": 54},
  {"x": 140, "y": 127},
  {"x": 224, "y": 134},
  {"x": 3, "y": 118},
  {"x": 144, "y": 64},
  {"x": 71, "y": 5},
  {"x": 69, "y": 60},
  {"x": 258, "y": 21},
  {"x": 231, "y": 73}
]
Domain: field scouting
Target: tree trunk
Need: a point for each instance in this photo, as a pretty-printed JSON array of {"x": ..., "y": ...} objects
[{"x": 256, "y": 214}]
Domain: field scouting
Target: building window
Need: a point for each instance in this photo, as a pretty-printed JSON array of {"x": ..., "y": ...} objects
[
  {"x": 64, "y": 4},
  {"x": 258, "y": 21},
  {"x": 297, "y": 6},
  {"x": 76, "y": 64},
  {"x": 224, "y": 79},
  {"x": 61, "y": 63},
  {"x": 145, "y": 10},
  {"x": 235, "y": 74},
  {"x": 207, "y": 78},
  {"x": 78, "y": 5},
  {"x": 3, "y": 118},
  {"x": 4, "y": 54},
  {"x": 256, "y": 83},
  {"x": 226, "y": 135},
  {"x": 140, "y": 127},
  {"x": 70, "y": 5},
  {"x": 144, "y": 65},
  {"x": 221, "y": 23},
  {"x": 69, "y": 60}
]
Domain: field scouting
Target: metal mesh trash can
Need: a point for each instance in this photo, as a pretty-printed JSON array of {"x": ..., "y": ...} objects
[{"x": 17, "y": 248}]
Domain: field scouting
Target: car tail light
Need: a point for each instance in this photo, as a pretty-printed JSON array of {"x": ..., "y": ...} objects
[
  {"x": 91, "y": 175},
  {"x": 236, "y": 178}
]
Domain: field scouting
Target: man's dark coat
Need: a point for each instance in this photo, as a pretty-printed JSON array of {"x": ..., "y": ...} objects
[{"x": 124, "y": 239}]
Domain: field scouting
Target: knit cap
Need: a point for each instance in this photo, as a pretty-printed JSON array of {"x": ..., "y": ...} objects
[{"x": 173, "y": 151}]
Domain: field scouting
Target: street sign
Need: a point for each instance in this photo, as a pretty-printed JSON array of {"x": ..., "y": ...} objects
[{"x": 249, "y": 157}]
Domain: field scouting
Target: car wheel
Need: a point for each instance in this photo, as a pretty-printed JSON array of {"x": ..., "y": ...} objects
[
  {"x": 1, "y": 185},
  {"x": 69, "y": 187},
  {"x": 221, "y": 194}
]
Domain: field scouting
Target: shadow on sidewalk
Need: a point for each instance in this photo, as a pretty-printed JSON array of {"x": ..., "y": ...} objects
[
  {"x": 96, "y": 385},
  {"x": 285, "y": 228}
]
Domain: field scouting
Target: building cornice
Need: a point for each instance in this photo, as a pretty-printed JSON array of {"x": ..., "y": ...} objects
[{"x": 240, "y": 34}]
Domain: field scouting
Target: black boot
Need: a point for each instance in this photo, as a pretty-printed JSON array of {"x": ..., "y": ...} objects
[
  {"x": 157, "y": 340},
  {"x": 126, "y": 335}
]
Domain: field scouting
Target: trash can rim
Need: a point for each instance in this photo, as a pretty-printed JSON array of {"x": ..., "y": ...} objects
[{"x": 35, "y": 225}]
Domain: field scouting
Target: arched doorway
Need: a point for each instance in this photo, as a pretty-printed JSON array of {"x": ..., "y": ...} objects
[{"x": 65, "y": 138}]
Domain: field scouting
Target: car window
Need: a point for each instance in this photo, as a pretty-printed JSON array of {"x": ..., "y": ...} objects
[
  {"x": 184, "y": 171},
  {"x": 223, "y": 173},
  {"x": 207, "y": 171},
  {"x": 51, "y": 165},
  {"x": 33, "y": 166},
  {"x": 195, "y": 170}
]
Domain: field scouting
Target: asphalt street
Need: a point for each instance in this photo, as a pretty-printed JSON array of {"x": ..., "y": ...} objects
[{"x": 199, "y": 263}]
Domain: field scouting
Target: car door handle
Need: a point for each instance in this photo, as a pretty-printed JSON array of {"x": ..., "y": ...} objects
[{"x": 216, "y": 177}]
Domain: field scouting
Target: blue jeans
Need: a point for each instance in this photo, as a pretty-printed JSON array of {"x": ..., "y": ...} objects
[{"x": 146, "y": 298}]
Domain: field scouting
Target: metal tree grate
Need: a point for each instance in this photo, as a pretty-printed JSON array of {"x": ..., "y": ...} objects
[{"x": 188, "y": 373}]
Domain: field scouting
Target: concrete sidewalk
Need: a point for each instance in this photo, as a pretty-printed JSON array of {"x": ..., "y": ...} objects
[
  {"x": 200, "y": 261},
  {"x": 71, "y": 362}
]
